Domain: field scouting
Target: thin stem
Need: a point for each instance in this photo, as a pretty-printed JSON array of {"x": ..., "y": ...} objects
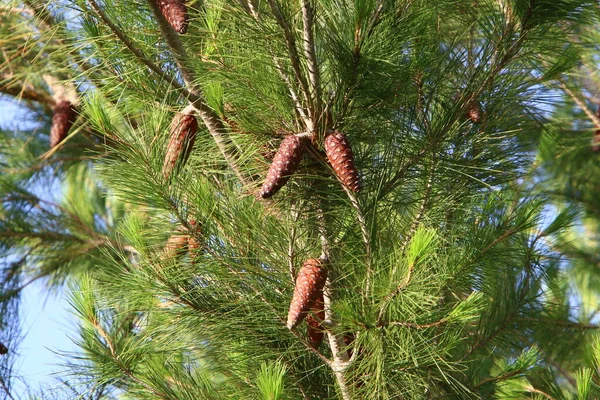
[
  {"x": 310, "y": 54},
  {"x": 290, "y": 42},
  {"x": 362, "y": 223},
  {"x": 6, "y": 390},
  {"x": 341, "y": 360}
]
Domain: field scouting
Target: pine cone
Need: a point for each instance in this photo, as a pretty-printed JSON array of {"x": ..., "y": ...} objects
[
  {"x": 175, "y": 12},
  {"x": 339, "y": 154},
  {"x": 182, "y": 137},
  {"x": 3, "y": 349},
  {"x": 474, "y": 112},
  {"x": 309, "y": 286},
  {"x": 315, "y": 330},
  {"x": 64, "y": 114},
  {"x": 177, "y": 245},
  {"x": 284, "y": 163},
  {"x": 596, "y": 141}
]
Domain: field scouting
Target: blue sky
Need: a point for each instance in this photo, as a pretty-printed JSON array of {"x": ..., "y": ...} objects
[{"x": 46, "y": 321}]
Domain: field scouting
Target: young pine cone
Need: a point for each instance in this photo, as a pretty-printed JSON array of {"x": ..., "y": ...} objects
[
  {"x": 181, "y": 141},
  {"x": 284, "y": 163},
  {"x": 175, "y": 12},
  {"x": 309, "y": 287},
  {"x": 339, "y": 154},
  {"x": 313, "y": 320},
  {"x": 64, "y": 114},
  {"x": 474, "y": 112}
]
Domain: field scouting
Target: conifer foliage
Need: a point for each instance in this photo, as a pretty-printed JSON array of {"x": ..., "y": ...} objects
[{"x": 211, "y": 255}]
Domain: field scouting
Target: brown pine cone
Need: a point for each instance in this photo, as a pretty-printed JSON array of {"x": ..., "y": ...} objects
[
  {"x": 339, "y": 154},
  {"x": 284, "y": 163},
  {"x": 63, "y": 116},
  {"x": 3, "y": 349},
  {"x": 181, "y": 141},
  {"x": 175, "y": 12},
  {"x": 596, "y": 141},
  {"x": 315, "y": 330},
  {"x": 177, "y": 245},
  {"x": 309, "y": 286},
  {"x": 474, "y": 112}
]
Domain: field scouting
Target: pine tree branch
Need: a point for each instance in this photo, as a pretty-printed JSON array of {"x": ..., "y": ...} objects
[
  {"x": 340, "y": 362},
  {"x": 6, "y": 390},
  {"x": 308, "y": 123},
  {"x": 24, "y": 91},
  {"x": 102, "y": 332},
  {"x": 417, "y": 220},
  {"x": 209, "y": 117},
  {"x": 366, "y": 237},
  {"x": 311, "y": 56},
  {"x": 294, "y": 57},
  {"x": 211, "y": 120}
]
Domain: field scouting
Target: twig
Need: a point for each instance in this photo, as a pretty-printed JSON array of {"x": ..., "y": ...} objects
[
  {"x": 209, "y": 117},
  {"x": 308, "y": 123},
  {"x": 6, "y": 390},
  {"x": 291, "y": 254},
  {"x": 362, "y": 223},
  {"x": 116, "y": 357},
  {"x": 580, "y": 103},
  {"x": 310, "y": 54},
  {"x": 417, "y": 221},
  {"x": 293, "y": 53},
  {"x": 341, "y": 360}
]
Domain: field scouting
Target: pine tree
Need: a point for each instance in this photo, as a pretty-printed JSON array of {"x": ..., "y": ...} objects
[{"x": 444, "y": 275}]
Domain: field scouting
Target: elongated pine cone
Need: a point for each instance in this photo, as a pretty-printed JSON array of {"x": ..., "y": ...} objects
[
  {"x": 284, "y": 163},
  {"x": 63, "y": 116},
  {"x": 175, "y": 12},
  {"x": 313, "y": 320},
  {"x": 309, "y": 287},
  {"x": 181, "y": 141},
  {"x": 3, "y": 349},
  {"x": 339, "y": 154}
]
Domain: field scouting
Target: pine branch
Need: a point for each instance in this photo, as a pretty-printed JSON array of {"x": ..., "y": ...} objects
[
  {"x": 102, "y": 332},
  {"x": 25, "y": 91},
  {"x": 366, "y": 237},
  {"x": 294, "y": 57},
  {"x": 211, "y": 120},
  {"x": 340, "y": 362},
  {"x": 6, "y": 389},
  {"x": 310, "y": 54},
  {"x": 308, "y": 123}
]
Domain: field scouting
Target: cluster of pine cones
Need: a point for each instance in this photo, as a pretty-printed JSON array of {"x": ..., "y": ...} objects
[{"x": 290, "y": 153}]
